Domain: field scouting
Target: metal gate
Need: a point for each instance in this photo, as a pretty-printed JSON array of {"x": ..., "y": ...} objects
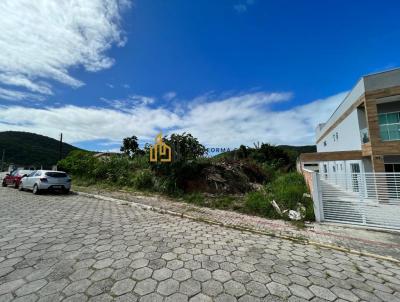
[{"x": 371, "y": 199}]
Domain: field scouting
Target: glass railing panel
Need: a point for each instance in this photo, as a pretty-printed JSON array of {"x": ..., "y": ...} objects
[{"x": 364, "y": 135}]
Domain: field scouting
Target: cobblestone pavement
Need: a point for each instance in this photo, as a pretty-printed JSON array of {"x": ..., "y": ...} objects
[
  {"x": 73, "y": 248},
  {"x": 380, "y": 243}
]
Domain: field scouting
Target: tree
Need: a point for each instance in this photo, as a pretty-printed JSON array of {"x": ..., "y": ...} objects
[
  {"x": 185, "y": 146},
  {"x": 243, "y": 152},
  {"x": 273, "y": 155},
  {"x": 130, "y": 146}
]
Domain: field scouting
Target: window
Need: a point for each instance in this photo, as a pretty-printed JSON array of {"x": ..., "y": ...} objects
[
  {"x": 392, "y": 168},
  {"x": 324, "y": 143},
  {"x": 38, "y": 173},
  {"x": 389, "y": 126},
  {"x": 56, "y": 174},
  {"x": 337, "y": 136},
  {"x": 355, "y": 179}
]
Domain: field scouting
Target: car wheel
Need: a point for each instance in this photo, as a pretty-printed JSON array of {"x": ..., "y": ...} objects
[
  {"x": 66, "y": 191},
  {"x": 16, "y": 185},
  {"x": 20, "y": 187},
  {"x": 36, "y": 190},
  {"x": 3, "y": 184}
]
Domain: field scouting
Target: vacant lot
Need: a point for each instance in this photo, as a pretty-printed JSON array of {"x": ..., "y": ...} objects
[{"x": 55, "y": 247}]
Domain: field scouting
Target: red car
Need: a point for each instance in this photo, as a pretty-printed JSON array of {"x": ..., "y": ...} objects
[{"x": 14, "y": 178}]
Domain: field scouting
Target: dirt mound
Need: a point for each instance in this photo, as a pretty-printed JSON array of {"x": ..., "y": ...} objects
[{"x": 226, "y": 176}]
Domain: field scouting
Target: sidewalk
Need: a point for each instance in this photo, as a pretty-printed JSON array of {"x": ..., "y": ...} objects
[{"x": 384, "y": 244}]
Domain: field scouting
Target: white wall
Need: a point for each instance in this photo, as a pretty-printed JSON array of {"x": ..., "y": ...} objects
[
  {"x": 348, "y": 136},
  {"x": 350, "y": 99},
  {"x": 339, "y": 172}
]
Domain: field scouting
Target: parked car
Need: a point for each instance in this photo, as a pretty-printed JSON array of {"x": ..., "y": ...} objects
[
  {"x": 41, "y": 180},
  {"x": 14, "y": 178}
]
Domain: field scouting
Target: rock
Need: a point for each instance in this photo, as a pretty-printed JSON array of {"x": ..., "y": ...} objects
[{"x": 294, "y": 215}]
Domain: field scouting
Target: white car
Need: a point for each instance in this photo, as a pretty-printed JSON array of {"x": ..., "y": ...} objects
[{"x": 41, "y": 180}]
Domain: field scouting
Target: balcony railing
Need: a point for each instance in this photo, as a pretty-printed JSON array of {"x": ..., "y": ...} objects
[{"x": 364, "y": 135}]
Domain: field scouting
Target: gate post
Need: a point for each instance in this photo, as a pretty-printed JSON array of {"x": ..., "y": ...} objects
[{"x": 317, "y": 197}]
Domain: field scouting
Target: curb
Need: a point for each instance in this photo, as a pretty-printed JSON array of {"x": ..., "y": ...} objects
[{"x": 240, "y": 228}]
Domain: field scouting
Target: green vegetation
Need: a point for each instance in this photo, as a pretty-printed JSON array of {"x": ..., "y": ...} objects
[
  {"x": 130, "y": 146},
  {"x": 247, "y": 180},
  {"x": 287, "y": 190},
  {"x": 29, "y": 149},
  {"x": 271, "y": 157}
]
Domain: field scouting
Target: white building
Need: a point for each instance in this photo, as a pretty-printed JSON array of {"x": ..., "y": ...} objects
[{"x": 363, "y": 134}]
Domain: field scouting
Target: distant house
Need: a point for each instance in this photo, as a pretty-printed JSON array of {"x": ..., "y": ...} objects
[
  {"x": 103, "y": 155},
  {"x": 363, "y": 134}
]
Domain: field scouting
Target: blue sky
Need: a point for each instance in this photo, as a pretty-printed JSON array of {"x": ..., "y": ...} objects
[{"x": 230, "y": 72}]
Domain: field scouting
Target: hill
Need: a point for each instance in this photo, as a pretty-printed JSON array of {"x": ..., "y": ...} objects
[
  {"x": 275, "y": 156},
  {"x": 26, "y": 149},
  {"x": 300, "y": 149}
]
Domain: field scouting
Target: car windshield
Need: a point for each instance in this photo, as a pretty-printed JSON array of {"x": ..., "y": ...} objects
[
  {"x": 24, "y": 172},
  {"x": 31, "y": 174},
  {"x": 56, "y": 174}
]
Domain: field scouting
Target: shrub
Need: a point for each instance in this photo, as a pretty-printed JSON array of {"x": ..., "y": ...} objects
[
  {"x": 140, "y": 162},
  {"x": 287, "y": 190},
  {"x": 195, "y": 198},
  {"x": 166, "y": 185},
  {"x": 185, "y": 146},
  {"x": 224, "y": 202},
  {"x": 270, "y": 171},
  {"x": 115, "y": 169},
  {"x": 78, "y": 163},
  {"x": 257, "y": 203},
  {"x": 143, "y": 180}
]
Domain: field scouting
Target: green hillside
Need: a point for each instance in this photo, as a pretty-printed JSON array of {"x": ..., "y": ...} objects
[
  {"x": 283, "y": 155},
  {"x": 30, "y": 149},
  {"x": 300, "y": 149}
]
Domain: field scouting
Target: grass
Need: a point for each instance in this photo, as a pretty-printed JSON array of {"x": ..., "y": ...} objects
[
  {"x": 226, "y": 202},
  {"x": 299, "y": 224},
  {"x": 286, "y": 189}
]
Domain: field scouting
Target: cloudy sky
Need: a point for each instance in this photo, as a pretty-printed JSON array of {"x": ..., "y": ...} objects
[{"x": 230, "y": 72}]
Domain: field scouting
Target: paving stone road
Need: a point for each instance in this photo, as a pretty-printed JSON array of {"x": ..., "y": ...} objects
[{"x": 73, "y": 248}]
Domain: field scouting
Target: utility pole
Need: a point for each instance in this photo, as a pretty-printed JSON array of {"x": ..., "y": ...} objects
[
  {"x": 2, "y": 160},
  {"x": 61, "y": 139}
]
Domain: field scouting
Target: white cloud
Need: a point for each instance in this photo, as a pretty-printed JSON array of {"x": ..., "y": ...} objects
[
  {"x": 225, "y": 122},
  {"x": 42, "y": 40},
  {"x": 21, "y": 81},
  {"x": 12, "y": 95},
  {"x": 130, "y": 103},
  {"x": 169, "y": 95},
  {"x": 242, "y": 7}
]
